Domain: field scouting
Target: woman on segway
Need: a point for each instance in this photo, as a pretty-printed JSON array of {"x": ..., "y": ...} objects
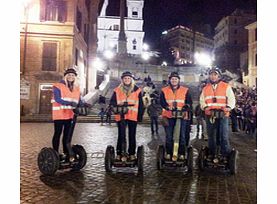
[
  {"x": 128, "y": 92},
  {"x": 217, "y": 95},
  {"x": 66, "y": 97},
  {"x": 174, "y": 93}
]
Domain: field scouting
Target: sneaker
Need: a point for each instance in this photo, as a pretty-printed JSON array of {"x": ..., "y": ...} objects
[
  {"x": 132, "y": 157},
  {"x": 182, "y": 157},
  {"x": 71, "y": 159},
  {"x": 118, "y": 157},
  {"x": 225, "y": 160},
  {"x": 167, "y": 156},
  {"x": 174, "y": 158},
  {"x": 210, "y": 157},
  {"x": 124, "y": 158},
  {"x": 62, "y": 156}
]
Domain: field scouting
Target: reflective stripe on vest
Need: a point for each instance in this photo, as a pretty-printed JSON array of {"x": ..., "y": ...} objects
[
  {"x": 64, "y": 112},
  {"x": 133, "y": 99},
  {"x": 219, "y": 94},
  {"x": 179, "y": 96}
]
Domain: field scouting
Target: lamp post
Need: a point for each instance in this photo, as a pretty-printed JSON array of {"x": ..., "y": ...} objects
[{"x": 145, "y": 56}]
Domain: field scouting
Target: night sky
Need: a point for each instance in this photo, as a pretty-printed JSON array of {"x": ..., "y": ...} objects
[{"x": 160, "y": 15}]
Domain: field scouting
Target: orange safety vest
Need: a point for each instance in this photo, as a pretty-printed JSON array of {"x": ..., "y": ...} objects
[
  {"x": 64, "y": 112},
  {"x": 219, "y": 93},
  {"x": 121, "y": 97},
  {"x": 179, "y": 96}
]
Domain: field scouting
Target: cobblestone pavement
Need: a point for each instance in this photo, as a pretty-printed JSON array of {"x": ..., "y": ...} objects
[{"x": 93, "y": 185}]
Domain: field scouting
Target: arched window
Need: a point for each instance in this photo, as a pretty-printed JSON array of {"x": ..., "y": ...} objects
[
  {"x": 135, "y": 12},
  {"x": 134, "y": 44}
]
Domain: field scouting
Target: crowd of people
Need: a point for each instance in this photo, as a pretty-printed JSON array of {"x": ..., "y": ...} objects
[{"x": 244, "y": 115}]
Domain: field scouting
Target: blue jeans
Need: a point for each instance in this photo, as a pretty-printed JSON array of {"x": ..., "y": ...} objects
[
  {"x": 169, "y": 130},
  {"x": 218, "y": 134}
]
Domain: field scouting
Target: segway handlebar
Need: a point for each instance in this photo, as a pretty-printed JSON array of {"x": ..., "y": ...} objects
[{"x": 121, "y": 108}]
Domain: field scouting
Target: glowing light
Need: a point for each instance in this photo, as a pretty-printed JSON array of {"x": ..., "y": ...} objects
[
  {"x": 108, "y": 54},
  {"x": 164, "y": 63},
  {"x": 145, "y": 55},
  {"x": 203, "y": 59},
  {"x": 145, "y": 46}
]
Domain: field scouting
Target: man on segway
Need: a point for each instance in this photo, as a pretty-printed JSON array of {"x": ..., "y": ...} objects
[
  {"x": 217, "y": 100},
  {"x": 127, "y": 92},
  {"x": 175, "y": 96}
]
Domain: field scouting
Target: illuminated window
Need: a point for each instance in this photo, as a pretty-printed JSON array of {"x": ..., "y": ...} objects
[{"x": 49, "y": 56}]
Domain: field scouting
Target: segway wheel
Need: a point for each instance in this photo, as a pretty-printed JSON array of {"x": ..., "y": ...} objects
[
  {"x": 109, "y": 158},
  {"x": 140, "y": 157},
  {"x": 48, "y": 161},
  {"x": 190, "y": 159},
  {"x": 233, "y": 161},
  {"x": 201, "y": 158},
  {"x": 160, "y": 157},
  {"x": 80, "y": 156}
]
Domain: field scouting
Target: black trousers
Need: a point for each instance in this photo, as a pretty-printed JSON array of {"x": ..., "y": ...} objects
[
  {"x": 121, "y": 140},
  {"x": 154, "y": 122},
  {"x": 59, "y": 126}
]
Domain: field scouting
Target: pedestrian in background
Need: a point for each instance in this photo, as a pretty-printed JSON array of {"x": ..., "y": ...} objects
[
  {"x": 101, "y": 114},
  {"x": 154, "y": 110}
]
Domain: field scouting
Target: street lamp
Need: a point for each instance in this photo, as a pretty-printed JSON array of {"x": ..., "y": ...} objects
[{"x": 203, "y": 59}]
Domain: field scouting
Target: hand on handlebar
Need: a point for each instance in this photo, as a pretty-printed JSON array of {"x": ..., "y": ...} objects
[{"x": 74, "y": 104}]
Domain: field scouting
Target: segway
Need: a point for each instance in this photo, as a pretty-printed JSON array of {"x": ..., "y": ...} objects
[
  {"x": 217, "y": 162},
  {"x": 162, "y": 162},
  {"x": 49, "y": 160},
  {"x": 110, "y": 160}
]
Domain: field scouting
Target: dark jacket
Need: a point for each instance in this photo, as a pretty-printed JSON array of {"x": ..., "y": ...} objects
[{"x": 154, "y": 110}]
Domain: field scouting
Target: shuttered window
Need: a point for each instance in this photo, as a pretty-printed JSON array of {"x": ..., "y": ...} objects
[
  {"x": 49, "y": 56},
  {"x": 53, "y": 10}
]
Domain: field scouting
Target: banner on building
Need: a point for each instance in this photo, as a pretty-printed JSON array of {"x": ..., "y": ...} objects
[{"x": 24, "y": 89}]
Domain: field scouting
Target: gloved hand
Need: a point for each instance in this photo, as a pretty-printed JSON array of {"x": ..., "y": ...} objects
[
  {"x": 167, "y": 108},
  {"x": 186, "y": 107},
  {"x": 74, "y": 104}
]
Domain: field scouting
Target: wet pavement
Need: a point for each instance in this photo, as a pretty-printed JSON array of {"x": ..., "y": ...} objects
[{"x": 93, "y": 185}]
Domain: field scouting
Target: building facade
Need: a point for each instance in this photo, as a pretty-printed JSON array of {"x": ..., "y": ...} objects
[
  {"x": 230, "y": 39},
  {"x": 181, "y": 41},
  {"x": 250, "y": 78},
  {"x": 109, "y": 26},
  {"x": 54, "y": 36}
]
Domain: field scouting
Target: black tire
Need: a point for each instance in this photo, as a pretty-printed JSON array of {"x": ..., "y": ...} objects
[
  {"x": 80, "y": 156},
  {"x": 109, "y": 158},
  {"x": 48, "y": 161},
  {"x": 233, "y": 162},
  {"x": 140, "y": 157},
  {"x": 160, "y": 157},
  {"x": 190, "y": 159}
]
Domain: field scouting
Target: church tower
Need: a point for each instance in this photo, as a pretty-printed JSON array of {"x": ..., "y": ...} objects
[{"x": 110, "y": 24}]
